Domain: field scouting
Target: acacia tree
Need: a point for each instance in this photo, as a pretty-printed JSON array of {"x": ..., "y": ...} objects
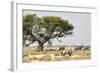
[{"x": 44, "y": 29}]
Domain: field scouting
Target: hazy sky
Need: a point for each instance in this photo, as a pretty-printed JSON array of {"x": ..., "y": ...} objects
[{"x": 80, "y": 21}]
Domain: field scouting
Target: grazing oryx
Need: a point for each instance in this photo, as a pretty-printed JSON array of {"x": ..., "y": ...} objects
[
  {"x": 86, "y": 48},
  {"x": 63, "y": 53},
  {"x": 62, "y": 50},
  {"x": 79, "y": 47},
  {"x": 70, "y": 52}
]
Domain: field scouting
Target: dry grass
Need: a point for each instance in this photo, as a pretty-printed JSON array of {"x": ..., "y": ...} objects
[{"x": 52, "y": 54}]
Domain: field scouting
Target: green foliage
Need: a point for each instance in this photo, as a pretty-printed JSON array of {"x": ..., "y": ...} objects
[
  {"x": 45, "y": 28},
  {"x": 29, "y": 21},
  {"x": 56, "y": 24}
]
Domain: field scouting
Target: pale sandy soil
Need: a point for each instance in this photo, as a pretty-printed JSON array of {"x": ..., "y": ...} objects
[{"x": 52, "y": 54}]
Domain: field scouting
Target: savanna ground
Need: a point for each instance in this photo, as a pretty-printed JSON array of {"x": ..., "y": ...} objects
[{"x": 30, "y": 54}]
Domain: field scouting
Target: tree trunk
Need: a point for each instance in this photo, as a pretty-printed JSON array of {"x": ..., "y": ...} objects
[{"x": 40, "y": 47}]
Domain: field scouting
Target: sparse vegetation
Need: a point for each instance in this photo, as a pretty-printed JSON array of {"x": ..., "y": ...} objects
[{"x": 52, "y": 54}]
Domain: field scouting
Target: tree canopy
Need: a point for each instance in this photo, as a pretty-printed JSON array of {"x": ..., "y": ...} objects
[{"x": 43, "y": 29}]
